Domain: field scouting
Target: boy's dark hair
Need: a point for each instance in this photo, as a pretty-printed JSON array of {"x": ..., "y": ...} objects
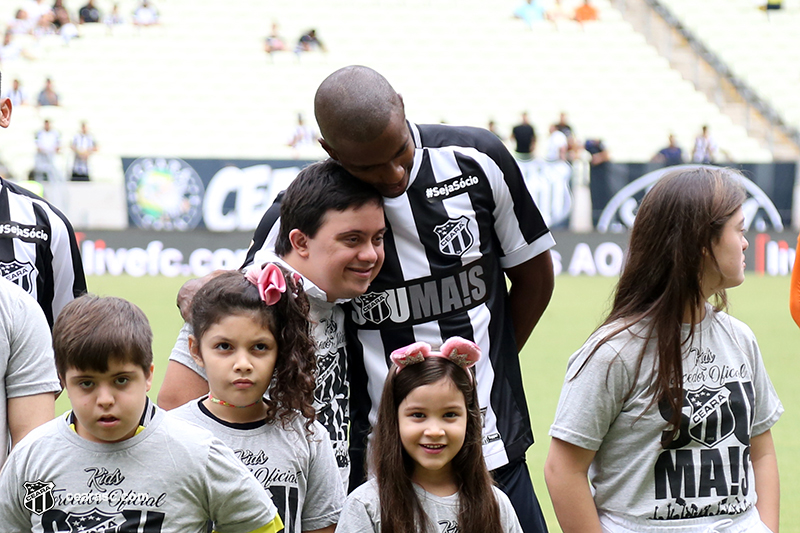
[
  {"x": 90, "y": 330},
  {"x": 317, "y": 189}
]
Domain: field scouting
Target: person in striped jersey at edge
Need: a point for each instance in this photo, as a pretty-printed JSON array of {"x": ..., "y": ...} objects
[
  {"x": 459, "y": 220},
  {"x": 38, "y": 249}
]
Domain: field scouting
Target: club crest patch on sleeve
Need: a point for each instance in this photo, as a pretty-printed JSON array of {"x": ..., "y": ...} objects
[{"x": 21, "y": 273}]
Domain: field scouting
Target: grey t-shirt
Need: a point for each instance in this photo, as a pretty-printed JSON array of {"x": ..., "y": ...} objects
[
  {"x": 172, "y": 477},
  {"x": 332, "y": 390},
  {"x": 298, "y": 469},
  {"x": 27, "y": 364},
  {"x": 706, "y": 471},
  {"x": 362, "y": 511}
]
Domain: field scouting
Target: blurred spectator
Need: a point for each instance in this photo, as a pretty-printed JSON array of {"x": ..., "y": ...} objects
[
  {"x": 491, "y": 126},
  {"x": 10, "y": 51},
  {"x": 16, "y": 94},
  {"x": 66, "y": 29},
  {"x": 705, "y": 148},
  {"x": 770, "y": 5},
  {"x": 303, "y": 135},
  {"x": 530, "y": 11},
  {"x": 524, "y": 136},
  {"x": 89, "y": 14},
  {"x": 83, "y": 145},
  {"x": 47, "y": 96},
  {"x": 670, "y": 155},
  {"x": 113, "y": 18},
  {"x": 21, "y": 24},
  {"x": 308, "y": 42},
  {"x": 48, "y": 144},
  {"x": 37, "y": 9},
  {"x": 598, "y": 151},
  {"x": 556, "y": 13},
  {"x": 274, "y": 42},
  {"x": 145, "y": 15},
  {"x": 564, "y": 127},
  {"x": 58, "y": 9},
  {"x": 585, "y": 12},
  {"x": 557, "y": 144}
]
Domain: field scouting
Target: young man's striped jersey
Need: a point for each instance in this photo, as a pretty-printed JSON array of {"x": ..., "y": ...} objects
[{"x": 38, "y": 250}]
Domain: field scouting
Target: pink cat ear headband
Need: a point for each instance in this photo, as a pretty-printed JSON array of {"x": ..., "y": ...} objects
[
  {"x": 269, "y": 280},
  {"x": 462, "y": 352}
]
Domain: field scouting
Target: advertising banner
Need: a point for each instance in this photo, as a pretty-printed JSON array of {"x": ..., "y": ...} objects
[
  {"x": 151, "y": 253},
  {"x": 173, "y": 194},
  {"x": 617, "y": 191}
]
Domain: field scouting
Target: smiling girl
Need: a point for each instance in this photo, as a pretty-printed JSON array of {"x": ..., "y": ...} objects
[{"x": 426, "y": 451}]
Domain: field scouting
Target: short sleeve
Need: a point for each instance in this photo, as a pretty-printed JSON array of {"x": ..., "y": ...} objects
[
  {"x": 591, "y": 396},
  {"x": 31, "y": 367},
  {"x": 325, "y": 494},
  {"x": 180, "y": 352},
  {"x": 237, "y": 502},
  {"x": 361, "y": 512},
  {"x": 16, "y": 519},
  {"x": 518, "y": 224},
  {"x": 768, "y": 408}
]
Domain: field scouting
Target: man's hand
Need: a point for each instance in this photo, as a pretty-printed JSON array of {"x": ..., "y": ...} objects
[{"x": 189, "y": 289}]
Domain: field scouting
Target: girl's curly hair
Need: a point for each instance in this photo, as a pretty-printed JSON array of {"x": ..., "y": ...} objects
[{"x": 294, "y": 378}]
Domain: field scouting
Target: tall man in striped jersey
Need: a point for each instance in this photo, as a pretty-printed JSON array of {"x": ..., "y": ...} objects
[
  {"x": 460, "y": 219},
  {"x": 38, "y": 250}
]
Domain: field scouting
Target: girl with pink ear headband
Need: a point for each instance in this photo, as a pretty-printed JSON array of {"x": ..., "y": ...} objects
[{"x": 426, "y": 451}]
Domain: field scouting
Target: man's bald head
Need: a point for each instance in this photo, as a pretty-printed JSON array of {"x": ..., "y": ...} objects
[{"x": 355, "y": 103}]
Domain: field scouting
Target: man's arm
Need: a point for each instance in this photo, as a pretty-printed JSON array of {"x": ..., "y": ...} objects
[
  {"x": 28, "y": 412},
  {"x": 184, "y": 380},
  {"x": 181, "y": 385},
  {"x": 532, "y": 285}
]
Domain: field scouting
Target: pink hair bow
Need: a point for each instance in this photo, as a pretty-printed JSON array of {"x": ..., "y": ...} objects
[
  {"x": 462, "y": 352},
  {"x": 269, "y": 280}
]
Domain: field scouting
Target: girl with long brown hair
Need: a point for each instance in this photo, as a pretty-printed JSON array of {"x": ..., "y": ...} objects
[
  {"x": 666, "y": 410},
  {"x": 426, "y": 451}
]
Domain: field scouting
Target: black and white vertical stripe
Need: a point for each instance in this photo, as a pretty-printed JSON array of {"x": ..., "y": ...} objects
[
  {"x": 38, "y": 249},
  {"x": 466, "y": 216}
]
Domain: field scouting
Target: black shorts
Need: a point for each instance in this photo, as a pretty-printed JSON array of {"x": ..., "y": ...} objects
[{"x": 515, "y": 480}]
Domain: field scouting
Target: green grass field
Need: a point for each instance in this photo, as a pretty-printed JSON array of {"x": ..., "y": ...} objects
[{"x": 577, "y": 307}]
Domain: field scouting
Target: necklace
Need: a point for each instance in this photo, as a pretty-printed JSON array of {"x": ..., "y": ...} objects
[{"x": 226, "y": 404}]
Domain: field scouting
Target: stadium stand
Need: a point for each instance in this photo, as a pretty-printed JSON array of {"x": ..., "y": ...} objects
[
  {"x": 762, "y": 48},
  {"x": 199, "y": 84}
]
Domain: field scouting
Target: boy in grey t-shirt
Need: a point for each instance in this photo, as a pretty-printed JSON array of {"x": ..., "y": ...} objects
[{"x": 116, "y": 461}]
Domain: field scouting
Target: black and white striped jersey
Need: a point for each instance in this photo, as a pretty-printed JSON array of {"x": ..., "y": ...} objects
[
  {"x": 466, "y": 216},
  {"x": 38, "y": 250}
]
